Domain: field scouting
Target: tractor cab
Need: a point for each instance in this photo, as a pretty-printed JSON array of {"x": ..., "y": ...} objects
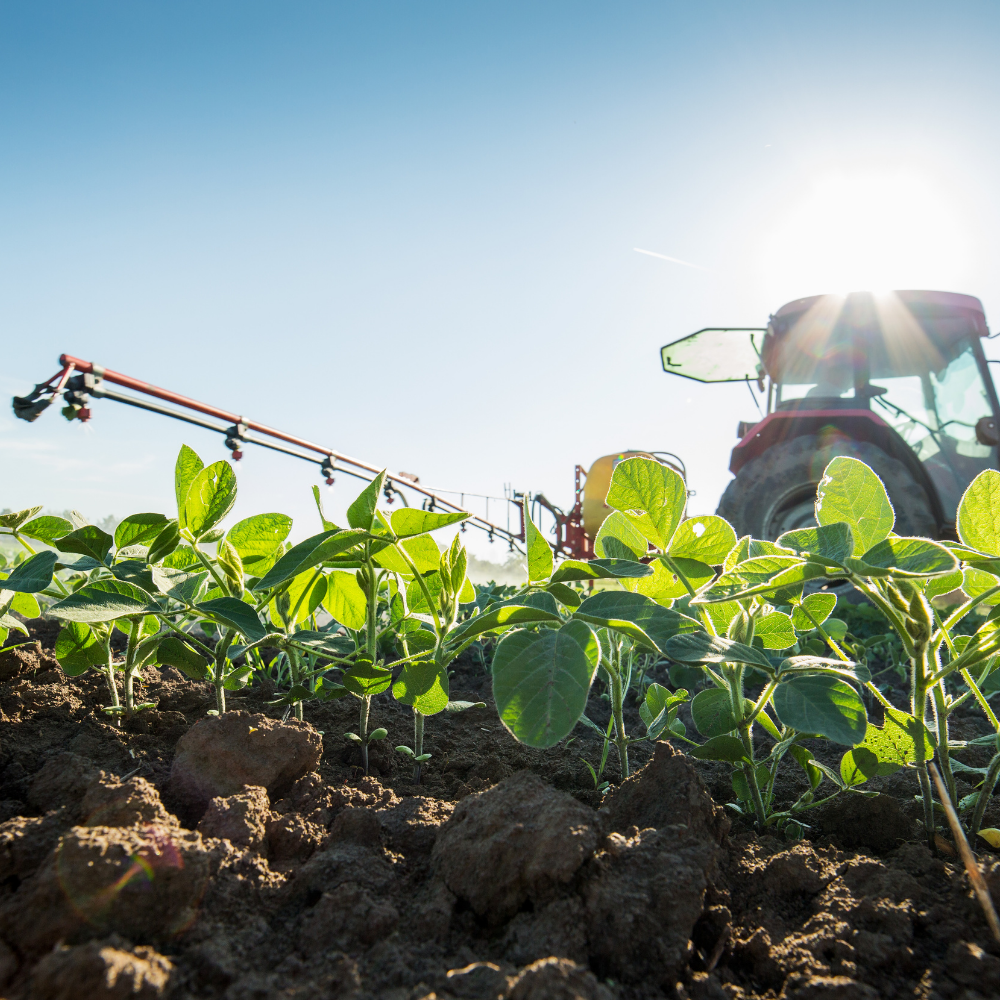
[{"x": 899, "y": 380}]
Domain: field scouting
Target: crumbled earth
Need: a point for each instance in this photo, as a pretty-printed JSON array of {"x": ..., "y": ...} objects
[{"x": 249, "y": 857}]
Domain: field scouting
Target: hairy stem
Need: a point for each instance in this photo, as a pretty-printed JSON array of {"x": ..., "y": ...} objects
[
  {"x": 944, "y": 755},
  {"x": 418, "y": 744},
  {"x": 985, "y": 793},
  {"x": 366, "y": 704},
  {"x": 133, "y": 639},
  {"x": 621, "y": 740}
]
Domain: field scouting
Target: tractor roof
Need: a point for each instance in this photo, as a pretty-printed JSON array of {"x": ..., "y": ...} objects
[{"x": 917, "y": 301}]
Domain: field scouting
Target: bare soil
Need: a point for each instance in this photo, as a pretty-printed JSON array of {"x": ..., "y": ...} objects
[{"x": 503, "y": 874}]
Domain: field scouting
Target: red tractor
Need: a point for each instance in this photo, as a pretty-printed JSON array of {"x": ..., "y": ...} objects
[{"x": 897, "y": 380}]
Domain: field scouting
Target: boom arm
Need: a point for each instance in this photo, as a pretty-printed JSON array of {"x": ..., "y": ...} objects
[{"x": 77, "y": 389}]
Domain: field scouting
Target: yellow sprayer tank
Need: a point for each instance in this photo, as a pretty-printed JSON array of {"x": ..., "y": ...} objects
[{"x": 596, "y": 489}]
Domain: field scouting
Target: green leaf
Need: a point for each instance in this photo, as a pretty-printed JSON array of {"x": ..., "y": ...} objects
[
  {"x": 502, "y": 616},
  {"x": 188, "y": 466},
  {"x": 135, "y": 572},
  {"x": 712, "y": 711},
  {"x": 366, "y": 680},
  {"x": 173, "y": 652},
  {"x": 643, "y": 484},
  {"x": 408, "y": 521},
  {"x": 46, "y": 529},
  {"x": 937, "y": 586},
  {"x": 976, "y": 582},
  {"x": 635, "y": 615},
  {"x": 757, "y": 576},
  {"x": 165, "y": 543},
  {"x": 86, "y": 541},
  {"x": 310, "y": 553},
  {"x": 541, "y": 681},
  {"x": 850, "y": 492},
  {"x": 210, "y": 497},
  {"x": 177, "y": 583},
  {"x": 805, "y": 760},
  {"x": 32, "y": 575},
  {"x": 234, "y": 613},
  {"x": 78, "y": 648},
  {"x": 884, "y": 750},
  {"x": 668, "y": 584},
  {"x": 570, "y": 570},
  {"x": 462, "y": 706},
  {"x": 257, "y": 540},
  {"x": 722, "y": 614},
  {"x": 324, "y": 643},
  {"x": 707, "y": 538},
  {"x": 139, "y": 529},
  {"x": 910, "y": 557},
  {"x": 566, "y": 596},
  {"x": 327, "y": 525},
  {"x": 104, "y": 601},
  {"x": 423, "y": 551},
  {"x": 539, "y": 551},
  {"x": 300, "y": 599},
  {"x": 820, "y": 606},
  {"x": 830, "y": 542},
  {"x": 659, "y": 708},
  {"x": 415, "y": 599},
  {"x": 16, "y": 518},
  {"x": 727, "y": 748},
  {"x": 25, "y": 605},
  {"x": 700, "y": 647},
  {"x": 345, "y": 600},
  {"x": 424, "y": 686},
  {"x": 361, "y": 513},
  {"x": 979, "y": 513},
  {"x": 822, "y": 705},
  {"x": 775, "y": 630},
  {"x": 618, "y": 539}
]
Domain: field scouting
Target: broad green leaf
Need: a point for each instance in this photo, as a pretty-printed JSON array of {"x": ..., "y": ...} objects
[
  {"x": 300, "y": 599},
  {"x": 46, "y": 529},
  {"x": 345, "y": 600},
  {"x": 618, "y": 539},
  {"x": 775, "y": 631},
  {"x": 409, "y": 521},
  {"x": 721, "y": 615},
  {"x": 87, "y": 541},
  {"x": 819, "y": 606},
  {"x": 541, "y": 681},
  {"x": 234, "y": 613},
  {"x": 566, "y": 596},
  {"x": 18, "y": 517},
  {"x": 910, "y": 557},
  {"x": 976, "y": 582},
  {"x": 104, "y": 601},
  {"x": 727, "y": 748},
  {"x": 139, "y": 529},
  {"x": 700, "y": 647},
  {"x": 635, "y": 615},
  {"x": 979, "y": 513},
  {"x": 644, "y": 485},
  {"x": 365, "y": 679},
  {"x": 415, "y": 599},
  {"x": 712, "y": 711},
  {"x": 538, "y": 550},
  {"x": 31, "y": 576},
  {"x": 757, "y": 547},
  {"x": 324, "y": 643},
  {"x": 659, "y": 707},
  {"x": 936, "y": 586},
  {"x": 258, "y": 539},
  {"x": 173, "y": 652},
  {"x": 754, "y": 576},
  {"x": 188, "y": 466},
  {"x": 661, "y": 585},
  {"x": 178, "y": 583},
  {"x": 423, "y": 551},
  {"x": 503, "y": 616},
  {"x": 361, "y": 513},
  {"x": 165, "y": 543},
  {"x": 25, "y": 605},
  {"x": 600, "y": 569},
  {"x": 886, "y": 749},
  {"x": 805, "y": 760},
  {"x": 737, "y": 554},
  {"x": 210, "y": 497},
  {"x": 424, "y": 686},
  {"x": 822, "y": 705},
  {"x": 707, "y": 538},
  {"x": 78, "y": 648},
  {"x": 850, "y": 492},
  {"x": 310, "y": 553},
  {"x": 463, "y": 706},
  {"x": 830, "y": 542},
  {"x": 327, "y": 525}
]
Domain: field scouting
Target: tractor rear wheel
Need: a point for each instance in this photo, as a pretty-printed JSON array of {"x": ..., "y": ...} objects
[{"x": 775, "y": 492}]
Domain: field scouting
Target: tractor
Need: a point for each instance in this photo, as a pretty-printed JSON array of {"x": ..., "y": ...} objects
[{"x": 898, "y": 380}]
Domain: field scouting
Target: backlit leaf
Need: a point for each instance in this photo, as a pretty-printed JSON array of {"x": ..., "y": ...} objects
[
  {"x": 309, "y": 553},
  {"x": 644, "y": 485},
  {"x": 188, "y": 466},
  {"x": 819, "y": 606},
  {"x": 979, "y": 513},
  {"x": 850, "y": 492},
  {"x": 775, "y": 630},
  {"x": 87, "y": 541},
  {"x": 707, "y": 538},
  {"x": 887, "y": 748},
  {"x": 210, "y": 497},
  {"x": 345, "y": 600},
  {"x": 539, "y": 551},
  {"x": 78, "y": 648},
  {"x": 139, "y": 529},
  {"x": 409, "y": 521},
  {"x": 618, "y": 539},
  {"x": 424, "y": 686},
  {"x": 361, "y": 513},
  {"x": 46, "y": 529}
]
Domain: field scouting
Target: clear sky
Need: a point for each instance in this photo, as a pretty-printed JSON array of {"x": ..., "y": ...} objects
[{"x": 407, "y": 230}]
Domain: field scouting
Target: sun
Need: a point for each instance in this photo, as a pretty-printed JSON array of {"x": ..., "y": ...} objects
[{"x": 865, "y": 230}]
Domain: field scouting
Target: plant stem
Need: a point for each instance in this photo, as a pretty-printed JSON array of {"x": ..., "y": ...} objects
[
  {"x": 220, "y": 674},
  {"x": 366, "y": 703},
  {"x": 985, "y": 792},
  {"x": 918, "y": 706},
  {"x": 621, "y": 740},
  {"x": 109, "y": 671},
  {"x": 418, "y": 744},
  {"x": 944, "y": 755},
  {"x": 133, "y": 638},
  {"x": 295, "y": 676}
]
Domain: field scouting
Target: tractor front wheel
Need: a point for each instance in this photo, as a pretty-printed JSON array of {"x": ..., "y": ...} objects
[{"x": 775, "y": 492}]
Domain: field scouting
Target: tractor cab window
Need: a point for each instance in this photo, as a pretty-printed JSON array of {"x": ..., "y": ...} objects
[
  {"x": 935, "y": 412},
  {"x": 816, "y": 365}
]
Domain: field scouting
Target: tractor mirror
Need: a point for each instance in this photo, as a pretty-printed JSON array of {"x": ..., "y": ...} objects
[
  {"x": 986, "y": 432},
  {"x": 729, "y": 354}
]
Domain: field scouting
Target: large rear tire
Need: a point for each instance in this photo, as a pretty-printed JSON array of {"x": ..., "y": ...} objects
[{"x": 775, "y": 492}]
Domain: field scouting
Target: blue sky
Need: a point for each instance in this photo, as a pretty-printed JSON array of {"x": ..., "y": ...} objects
[{"x": 407, "y": 230}]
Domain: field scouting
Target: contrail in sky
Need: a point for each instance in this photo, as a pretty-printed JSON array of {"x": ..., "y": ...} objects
[{"x": 673, "y": 260}]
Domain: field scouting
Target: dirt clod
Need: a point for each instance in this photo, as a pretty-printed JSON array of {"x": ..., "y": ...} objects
[
  {"x": 111, "y": 802},
  {"x": 557, "y": 979},
  {"x": 241, "y": 818},
  {"x": 108, "y": 970},
  {"x": 515, "y": 842}
]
